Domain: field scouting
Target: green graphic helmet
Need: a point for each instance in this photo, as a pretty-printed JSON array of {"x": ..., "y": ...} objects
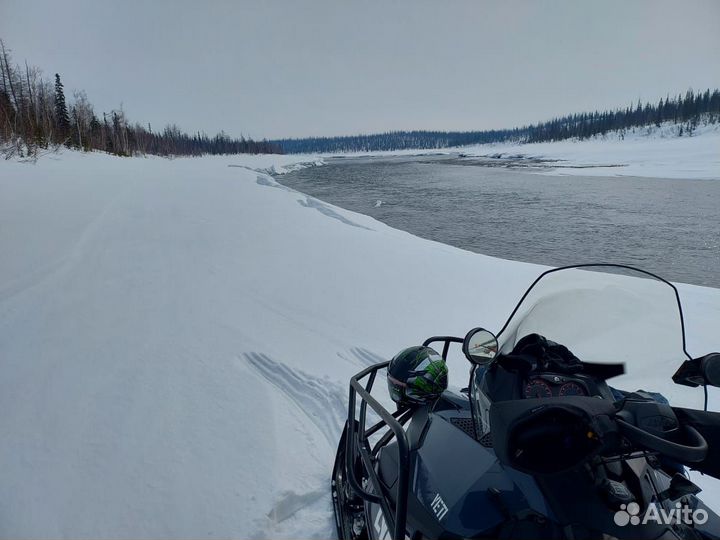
[{"x": 416, "y": 375}]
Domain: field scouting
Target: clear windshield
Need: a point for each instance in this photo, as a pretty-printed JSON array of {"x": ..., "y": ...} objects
[{"x": 606, "y": 315}]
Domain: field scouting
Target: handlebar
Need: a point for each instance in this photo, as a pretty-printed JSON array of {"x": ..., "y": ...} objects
[{"x": 694, "y": 452}]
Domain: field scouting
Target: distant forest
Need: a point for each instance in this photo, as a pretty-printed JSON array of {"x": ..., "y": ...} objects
[
  {"x": 35, "y": 115},
  {"x": 686, "y": 111}
]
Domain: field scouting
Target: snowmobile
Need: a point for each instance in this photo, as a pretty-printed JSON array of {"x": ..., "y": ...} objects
[{"x": 539, "y": 445}]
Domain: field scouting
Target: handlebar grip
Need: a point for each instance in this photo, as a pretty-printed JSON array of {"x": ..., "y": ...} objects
[{"x": 693, "y": 453}]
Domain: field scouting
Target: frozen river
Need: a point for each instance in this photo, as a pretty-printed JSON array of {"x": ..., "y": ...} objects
[{"x": 671, "y": 227}]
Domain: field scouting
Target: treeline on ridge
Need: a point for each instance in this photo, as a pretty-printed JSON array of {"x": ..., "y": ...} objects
[
  {"x": 34, "y": 115},
  {"x": 687, "y": 112}
]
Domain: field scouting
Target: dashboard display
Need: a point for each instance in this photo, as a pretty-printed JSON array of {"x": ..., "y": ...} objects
[
  {"x": 548, "y": 385},
  {"x": 537, "y": 388},
  {"x": 571, "y": 389}
]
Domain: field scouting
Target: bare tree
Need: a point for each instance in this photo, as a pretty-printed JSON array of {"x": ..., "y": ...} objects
[
  {"x": 82, "y": 114},
  {"x": 34, "y": 115}
]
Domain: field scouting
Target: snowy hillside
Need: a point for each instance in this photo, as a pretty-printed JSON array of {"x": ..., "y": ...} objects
[
  {"x": 176, "y": 338},
  {"x": 647, "y": 152}
]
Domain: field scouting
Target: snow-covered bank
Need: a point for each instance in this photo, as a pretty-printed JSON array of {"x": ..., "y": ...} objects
[
  {"x": 646, "y": 152},
  {"x": 176, "y": 338},
  {"x": 657, "y": 153}
]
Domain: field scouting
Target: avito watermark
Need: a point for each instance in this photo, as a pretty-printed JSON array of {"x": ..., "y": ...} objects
[{"x": 629, "y": 514}]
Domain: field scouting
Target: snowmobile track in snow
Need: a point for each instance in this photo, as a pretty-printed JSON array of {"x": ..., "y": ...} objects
[
  {"x": 320, "y": 399},
  {"x": 365, "y": 357}
]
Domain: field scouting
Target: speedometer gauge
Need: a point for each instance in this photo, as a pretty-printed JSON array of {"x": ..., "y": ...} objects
[
  {"x": 572, "y": 389},
  {"x": 537, "y": 388}
]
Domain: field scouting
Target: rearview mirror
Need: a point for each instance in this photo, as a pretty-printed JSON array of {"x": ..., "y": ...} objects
[
  {"x": 711, "y": 369},
  {"x": 700, "y": 371},
  {"x": 480, "y": 346}
]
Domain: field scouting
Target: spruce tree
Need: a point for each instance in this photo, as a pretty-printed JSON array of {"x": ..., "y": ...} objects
[{"x": 62, "y": 119}]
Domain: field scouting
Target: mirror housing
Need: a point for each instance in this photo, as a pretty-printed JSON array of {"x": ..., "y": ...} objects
[
  {"x": 480, "y": 346},
  {"x": 711, "y": 369},
  {"x": 700, "y": 371}
]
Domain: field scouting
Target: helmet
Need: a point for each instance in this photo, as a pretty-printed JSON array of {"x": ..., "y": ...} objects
[{"x": 416, "y": 375}]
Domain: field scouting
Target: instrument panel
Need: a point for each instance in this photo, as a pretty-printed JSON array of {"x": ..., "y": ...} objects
[{"x": 550, "y": 385}]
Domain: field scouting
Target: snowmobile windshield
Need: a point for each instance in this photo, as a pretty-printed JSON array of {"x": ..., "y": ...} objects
[{"x": 609, "y": 314}]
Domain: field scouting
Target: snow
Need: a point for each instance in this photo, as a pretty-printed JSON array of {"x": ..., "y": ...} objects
[
  {"x": 653, "y": 152},
  {"x": 176, "y": 339}
]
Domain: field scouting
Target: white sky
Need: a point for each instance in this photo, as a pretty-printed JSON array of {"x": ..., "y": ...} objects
[{"x": 330, "y": 67}]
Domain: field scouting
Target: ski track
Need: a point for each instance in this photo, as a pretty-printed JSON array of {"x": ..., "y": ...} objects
[
  {"x": 362, "y": 357},
  {"x": 367, "y": 358},
  {"x": 321, "y": 400}
]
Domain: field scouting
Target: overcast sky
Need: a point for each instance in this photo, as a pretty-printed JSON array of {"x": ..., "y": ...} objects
[{"x": 330, "y": 67}]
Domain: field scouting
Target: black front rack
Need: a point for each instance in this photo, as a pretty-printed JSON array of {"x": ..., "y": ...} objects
[{"x": 357, "y": 443}]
